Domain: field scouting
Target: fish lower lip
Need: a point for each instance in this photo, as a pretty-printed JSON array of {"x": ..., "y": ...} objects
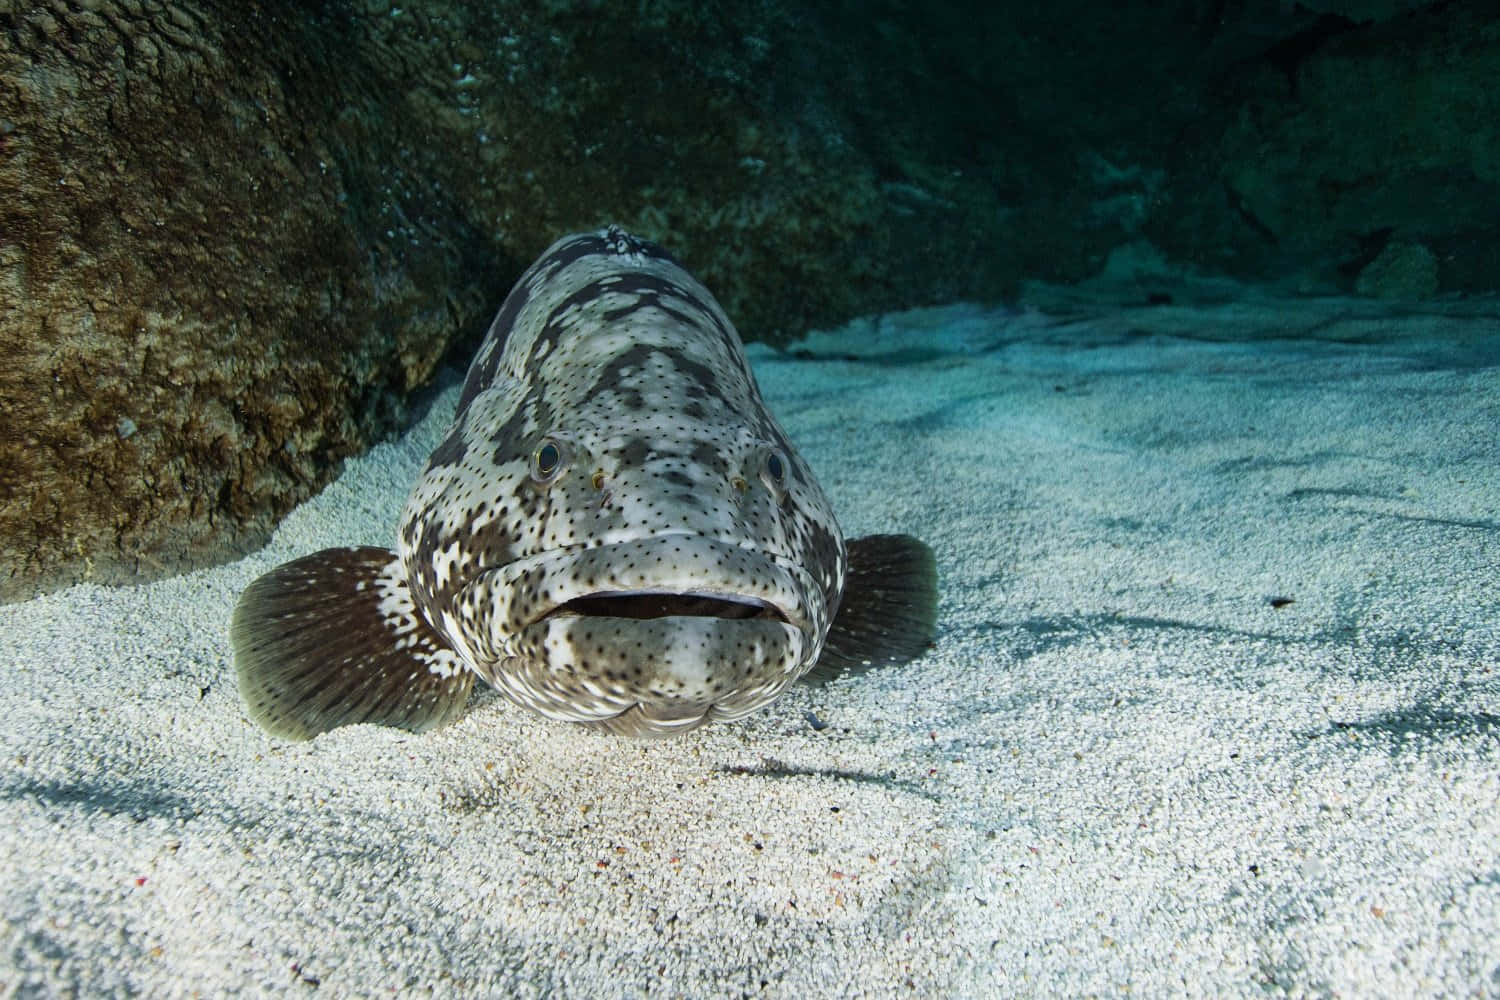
[{"x": 657, "y": 604}]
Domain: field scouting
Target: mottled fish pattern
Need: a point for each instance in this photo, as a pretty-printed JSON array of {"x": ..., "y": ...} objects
[{"x": 614, "y": 532}]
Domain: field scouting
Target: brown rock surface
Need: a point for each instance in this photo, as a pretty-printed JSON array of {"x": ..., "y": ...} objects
[{"x": 191, "y": 327}]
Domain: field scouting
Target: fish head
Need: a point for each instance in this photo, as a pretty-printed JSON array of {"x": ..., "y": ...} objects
[{"x": 673, "y": 578}]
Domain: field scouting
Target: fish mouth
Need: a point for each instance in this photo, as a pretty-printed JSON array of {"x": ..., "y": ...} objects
[
  {"x": 660, "y": 576},
  {"x": 647, "y": 604}
]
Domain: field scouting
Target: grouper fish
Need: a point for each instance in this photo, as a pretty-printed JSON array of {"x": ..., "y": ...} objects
[{"x": 615, "y": 532}]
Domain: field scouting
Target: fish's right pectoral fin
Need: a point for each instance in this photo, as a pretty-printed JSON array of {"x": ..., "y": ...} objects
[
  {"x": 889, "y": 612},
  {"x": 333, "y": 639}
]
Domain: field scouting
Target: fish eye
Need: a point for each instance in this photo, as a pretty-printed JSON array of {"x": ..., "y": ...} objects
[
  {"x": 548, "y": 461},
  {"x": 775, "y": 467},
  {"x": 773, "y": 472}
]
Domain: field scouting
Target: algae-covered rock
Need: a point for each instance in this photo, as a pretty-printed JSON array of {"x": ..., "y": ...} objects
[
  {"x": 1385, "y": 134},
  {"x": 194, "y": 331}
]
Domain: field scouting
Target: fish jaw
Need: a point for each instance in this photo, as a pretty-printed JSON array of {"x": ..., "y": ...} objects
[{"x": 650, "y": 637}]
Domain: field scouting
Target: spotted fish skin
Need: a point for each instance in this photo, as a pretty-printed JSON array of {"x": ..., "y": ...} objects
[{"x": 615, "y": 531}]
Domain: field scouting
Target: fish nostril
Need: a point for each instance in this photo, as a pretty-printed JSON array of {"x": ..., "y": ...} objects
[{"x": 738, "y": 482}]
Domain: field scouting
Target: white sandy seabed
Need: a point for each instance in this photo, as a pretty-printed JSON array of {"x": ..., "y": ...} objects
[{"x": 1129, "y": 765}]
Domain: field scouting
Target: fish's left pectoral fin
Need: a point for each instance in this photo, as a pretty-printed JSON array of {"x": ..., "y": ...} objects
[
  {"x": 333, "y": 639},
  {"x": 889, "y": 612}
]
